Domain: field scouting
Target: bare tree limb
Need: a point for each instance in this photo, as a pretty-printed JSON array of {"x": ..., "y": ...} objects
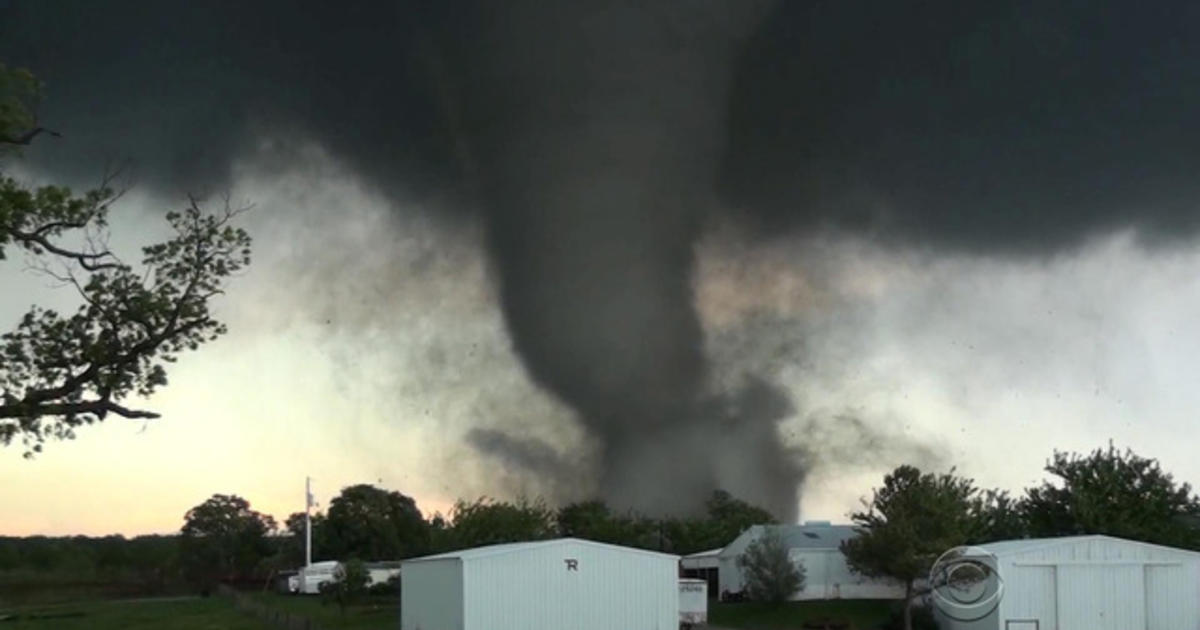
[
  {"x": 100, "y": 407},
  {"x": 26, "y": 138},
  {"x": 85, "y": 260}
]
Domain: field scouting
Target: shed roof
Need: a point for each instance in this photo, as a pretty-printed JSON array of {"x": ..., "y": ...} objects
[
  {"x": 495, "y": 550},
  {"x": 1010, "y": 547},
  {"x": 807, "y": 536}
]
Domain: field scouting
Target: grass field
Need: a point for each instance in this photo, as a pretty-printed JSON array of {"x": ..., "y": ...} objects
[
  {"x": 381, "y": 612},
  {"x": 28, "y": 588},
  {"x": 374, "y": 612},
  {"x": 214, "y": 613},
  {"x": 864, "y": 614},
  {"x": 218, "y": 613}
]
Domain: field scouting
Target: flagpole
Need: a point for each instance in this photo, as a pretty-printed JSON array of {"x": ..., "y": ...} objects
[{"x": 307, "y": 522}]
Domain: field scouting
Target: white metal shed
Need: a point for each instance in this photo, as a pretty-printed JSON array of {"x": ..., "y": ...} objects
[
  {"x": 816, "y": 545},
  {"x": 1081, "y": 583},
  {"x": 562, "y": 584}
]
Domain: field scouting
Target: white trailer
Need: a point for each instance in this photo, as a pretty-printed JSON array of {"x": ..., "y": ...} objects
[
  {"x": 693, "y": 602},
  {"x": 314, "y": 575},
  {"x": 309, "y": 579}
]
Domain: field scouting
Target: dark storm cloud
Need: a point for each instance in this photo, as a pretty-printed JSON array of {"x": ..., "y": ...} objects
[
  {"x": 529, "y": 454},
  {"x": 987, "y": 125},
  {"x": 593, "y": 138},
  {"x": 1018, "y": 126},
  {"x": 181, "y": 88}
]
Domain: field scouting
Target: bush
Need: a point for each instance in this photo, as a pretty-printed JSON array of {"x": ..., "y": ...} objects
[
  {"x": 390, "y": 587},
  {"x": 768, "y": 571},
  {"x": 349, "y": 583}
]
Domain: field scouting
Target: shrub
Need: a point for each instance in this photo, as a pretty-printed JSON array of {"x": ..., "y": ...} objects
[
  {"x": 390, "y": 587},
  {"x": 767, "y": 570},
  {"x": 349, "y": 583}
]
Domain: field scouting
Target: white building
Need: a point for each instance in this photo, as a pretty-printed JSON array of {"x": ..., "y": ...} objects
[
  {"x": 381, "y": 572},
  {"x": 314, "y": 575},
  {"x": 815, "y": 546},
  {"x": 563, "y": 584},
  {"x": 308, "y": 580},
  {"x": 1077, "y": 583},
  {"x": 703, "y": 566}
]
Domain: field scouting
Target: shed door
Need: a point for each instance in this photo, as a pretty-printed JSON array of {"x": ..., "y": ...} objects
[
  {"x": 1171, "y": 597},
  {"x": 1101, "y": 597},
  {"x": 1029, "y": 599}
]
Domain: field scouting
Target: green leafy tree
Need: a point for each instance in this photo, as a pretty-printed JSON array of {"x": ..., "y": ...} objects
[
  {"x": 1114, "y": 493},
  {"x": 594, "y": 520},
  {"x": 725, "y": 518},
  {"x": 154, "y": 562},
  {"x": 223, "y": 539},
  {"x": 767, "y": 570},
  {"x": 60, "y": 371},
  {"x": 591, "y": 520},
  {"x": 998, "y": 516},
  {"x": 441, "y": 534},
  {"x": 731, "y": 517},
  {"x": 488, "y": 522},
  {"x": 349, "y": 584},
  {"x": 293, "y": 542},
  {"x": 375, "y": 524},
  {"x": 20, "y": 94},
  {"x": 908, "y": 523}
]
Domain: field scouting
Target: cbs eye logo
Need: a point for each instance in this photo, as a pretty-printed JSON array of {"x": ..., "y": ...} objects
[{"x": 965, "y": 584}]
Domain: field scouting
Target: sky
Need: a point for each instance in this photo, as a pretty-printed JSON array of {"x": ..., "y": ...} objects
[{"x": 911, "y": 300}]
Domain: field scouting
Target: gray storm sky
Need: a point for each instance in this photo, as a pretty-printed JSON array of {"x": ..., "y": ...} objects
[
  {"x": 945, "y": 361},
  {"x": 552, "y": 249}
]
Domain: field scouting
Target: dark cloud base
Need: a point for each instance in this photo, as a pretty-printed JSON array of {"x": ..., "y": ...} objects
[{"x": 595, "y": 137}]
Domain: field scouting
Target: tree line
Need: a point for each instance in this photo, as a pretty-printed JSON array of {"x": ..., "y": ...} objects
[
  {"x": 913, "y": 517},
  {"x": 223, "y": 539}
]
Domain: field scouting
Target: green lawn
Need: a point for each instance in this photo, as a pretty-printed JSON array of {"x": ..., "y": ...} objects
[
  {"x": 865, "y": 614},
  {"x": 214, "y": 613},
  {"x": 47, "y": 588},
  {"x": 374, "y": 612}
]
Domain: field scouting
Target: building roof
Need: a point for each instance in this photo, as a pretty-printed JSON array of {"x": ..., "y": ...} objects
[
  {"x": 820, "y": 535},
  {"x": 384, "y": 564},
  {"x": 705, "y": 554},
  {"x": 1009, "y": 547},
  {"x": 814, "y": 535},
  {"x": 1006, "y": 547},
  {"x": 495, "y": 550}
]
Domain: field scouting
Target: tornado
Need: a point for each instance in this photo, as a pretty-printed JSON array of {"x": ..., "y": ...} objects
[{"x": 594, "y": 188}]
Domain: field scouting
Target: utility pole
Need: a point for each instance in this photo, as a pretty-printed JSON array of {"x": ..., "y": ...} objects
[{"x": 308, "y": 502}]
